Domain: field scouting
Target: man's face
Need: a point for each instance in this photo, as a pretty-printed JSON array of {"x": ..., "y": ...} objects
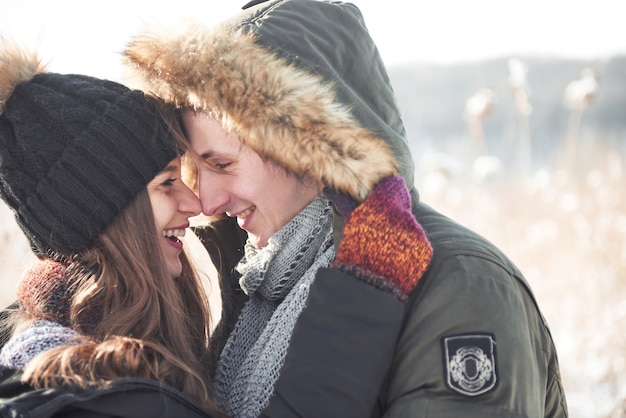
[{"x": 236, "y": 181}]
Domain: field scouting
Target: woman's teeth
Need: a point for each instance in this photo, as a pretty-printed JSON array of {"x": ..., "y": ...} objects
[{"x": 174, "y": 233}]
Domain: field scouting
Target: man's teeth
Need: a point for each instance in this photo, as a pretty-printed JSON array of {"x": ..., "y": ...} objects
[
  {"x": 174, "y": 233},
  {"x": 245, "y": 213}
]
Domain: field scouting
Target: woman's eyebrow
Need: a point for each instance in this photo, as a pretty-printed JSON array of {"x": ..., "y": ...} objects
[{"x": 170, "y": 168}]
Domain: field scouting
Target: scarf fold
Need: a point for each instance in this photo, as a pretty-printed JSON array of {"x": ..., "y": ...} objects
[{"x": 277, "y": 279}]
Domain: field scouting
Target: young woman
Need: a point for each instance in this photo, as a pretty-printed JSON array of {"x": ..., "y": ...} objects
[{"x": 93, "y": 175}]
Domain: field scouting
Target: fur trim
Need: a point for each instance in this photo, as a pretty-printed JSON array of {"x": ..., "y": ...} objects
[
  {"x": 16, "y": 67},
  {"x": 284, "y": 113}
]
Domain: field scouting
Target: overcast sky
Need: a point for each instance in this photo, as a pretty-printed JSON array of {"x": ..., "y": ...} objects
[{"x": 86, "y": 37}]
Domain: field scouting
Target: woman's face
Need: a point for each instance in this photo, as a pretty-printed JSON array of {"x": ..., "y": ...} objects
[
  {"x": 173, "y": 203},
  {"x": 262, "y": 196}
]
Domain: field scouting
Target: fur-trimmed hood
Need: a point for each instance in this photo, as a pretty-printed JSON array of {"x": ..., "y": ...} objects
[{"x": 300, "y": 81}]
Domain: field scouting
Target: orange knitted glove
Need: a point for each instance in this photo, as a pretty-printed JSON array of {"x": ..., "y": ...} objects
[{"x": 382, "y": 243}]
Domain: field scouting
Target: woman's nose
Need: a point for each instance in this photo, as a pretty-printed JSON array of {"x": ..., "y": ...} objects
[{"x": 189, "y": 202}]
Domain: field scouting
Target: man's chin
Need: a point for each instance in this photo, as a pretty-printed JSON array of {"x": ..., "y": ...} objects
[{"x": 256, "y": 241}]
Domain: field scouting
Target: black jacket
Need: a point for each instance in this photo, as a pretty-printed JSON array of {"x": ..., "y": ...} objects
[{"x": 132, "y": 398}]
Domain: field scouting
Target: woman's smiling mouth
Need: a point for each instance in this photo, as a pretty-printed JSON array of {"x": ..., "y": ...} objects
[{"x": 173, "y": 235}]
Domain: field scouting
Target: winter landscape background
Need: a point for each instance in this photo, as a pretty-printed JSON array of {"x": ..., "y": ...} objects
[{"x": 530, "y": 153}]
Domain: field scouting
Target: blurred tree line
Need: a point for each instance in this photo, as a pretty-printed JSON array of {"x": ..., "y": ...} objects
[{"x": 433, "y": 99}]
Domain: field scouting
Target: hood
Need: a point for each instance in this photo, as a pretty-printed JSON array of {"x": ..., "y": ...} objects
[{"x": 300, "y": 81}]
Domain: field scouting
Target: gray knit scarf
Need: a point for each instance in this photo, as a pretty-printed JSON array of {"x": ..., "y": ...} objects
[{"x": 277, "y": 280}]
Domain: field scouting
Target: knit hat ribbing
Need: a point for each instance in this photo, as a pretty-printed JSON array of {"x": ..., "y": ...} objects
[{"x": 74, "y": 152}]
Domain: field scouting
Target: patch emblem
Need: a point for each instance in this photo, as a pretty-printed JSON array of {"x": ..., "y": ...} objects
[{"x": 470, "y": 363}]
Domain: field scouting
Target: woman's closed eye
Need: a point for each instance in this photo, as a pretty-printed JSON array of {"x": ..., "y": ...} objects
[{"x": 169, "y": 182}]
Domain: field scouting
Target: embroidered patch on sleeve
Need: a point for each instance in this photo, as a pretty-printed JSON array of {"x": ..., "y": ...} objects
[{"x": 469, "y": 363}]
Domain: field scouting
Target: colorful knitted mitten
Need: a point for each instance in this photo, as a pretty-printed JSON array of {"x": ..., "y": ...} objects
[{"x": 382, "y": 241}]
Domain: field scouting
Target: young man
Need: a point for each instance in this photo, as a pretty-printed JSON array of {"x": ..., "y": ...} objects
[{"x": 473, "y": 343}]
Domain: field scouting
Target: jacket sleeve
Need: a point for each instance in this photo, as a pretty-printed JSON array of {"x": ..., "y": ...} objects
[
  {"x": 340, "y": 351},
  {"x": 468, "y": 305}
]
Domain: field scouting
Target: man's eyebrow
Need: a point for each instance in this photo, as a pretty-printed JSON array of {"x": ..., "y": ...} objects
[{"x": 211, "y": 153}]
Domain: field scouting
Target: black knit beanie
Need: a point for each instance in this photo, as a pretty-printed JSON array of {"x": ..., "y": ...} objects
[{"x": 74, "y": 152}]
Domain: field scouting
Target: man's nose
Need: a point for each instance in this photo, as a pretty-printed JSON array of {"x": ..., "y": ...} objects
[{"x": 214, "y": 195}]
